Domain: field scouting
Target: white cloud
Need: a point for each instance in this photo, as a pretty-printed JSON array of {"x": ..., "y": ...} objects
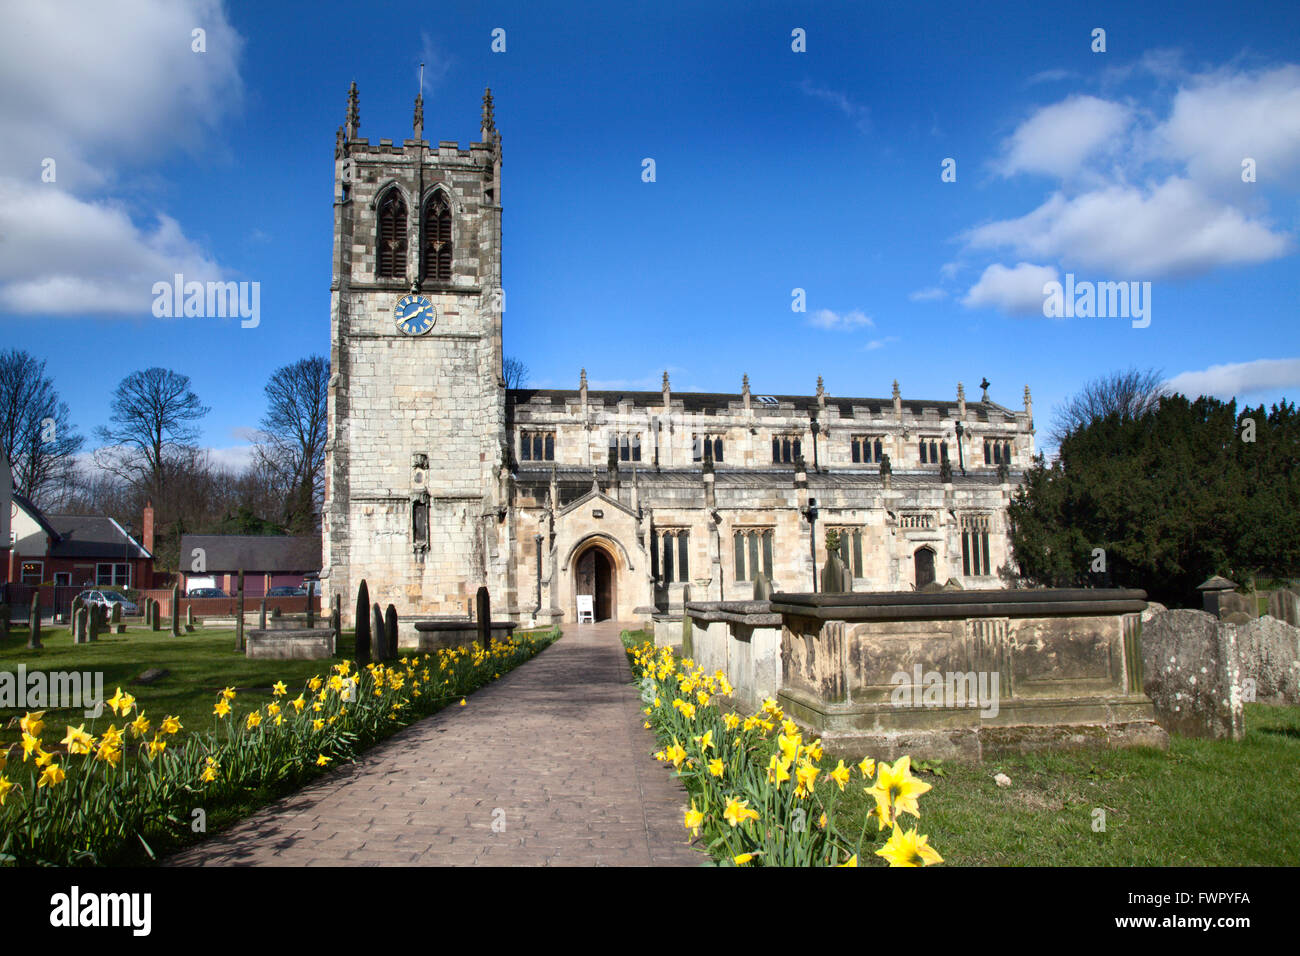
[
  {"x": 100, "y": 89},
  {"x": 1238, "y": 378},
  {"x": 1172, "y": 229},
  {"x": 234, "y": 457},
  {"x": 859, "y": 114},
  {"x": 932, "y": 294},
  {"x": 875, "y": 344},
  {"x": 1220, "y": 119},
  {"x": 1058, "y": 139},
  {"x": 1018, "y": 290},
  {"x": 834, "y": 321}
]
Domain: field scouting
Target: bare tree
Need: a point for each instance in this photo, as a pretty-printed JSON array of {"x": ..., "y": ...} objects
[
  {"x": 1132, "y": 394},
  {"x": 292, "y": 450},
  {"x": 35, "y": 430},
  {"x": 152, "y": 424},
  {"x": 514, "y": 372}
]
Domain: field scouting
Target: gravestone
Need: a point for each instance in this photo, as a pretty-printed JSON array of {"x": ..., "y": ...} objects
[
  {"x": 240, "y": 644},
  {"x": 762, "y": 587},
  {"x": 836, "y": 578},
  {"x": 483, "y": 616},
  {"x": 81, "y": 626},
  {"x": 362, "y": 624},
  {"x": 1285, "y": 606},
  {"x": 379, "y": 640},
  {"x": 92, "y": 622},
  {"x": 390, "y": 631},
  {"x": 1212, "y": 590},
  {"x": 311, "y": 611},
  {"x": 189, "y": 618},
  {"x": 155, "y": 608},
  {"x": 336, "y": 614},
  {"x": 1270, "y": 656},
  {"x": 261, "y": 616},
  {"x": 176, "y": 611},
  {"x": 34, "y": 624},
  {"x": 1192, "y": 672}
]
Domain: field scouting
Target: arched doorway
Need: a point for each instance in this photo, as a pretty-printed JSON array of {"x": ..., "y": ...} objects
[
  {"x": 596, "y": 574},
  {"x": 924, "y": 567}
]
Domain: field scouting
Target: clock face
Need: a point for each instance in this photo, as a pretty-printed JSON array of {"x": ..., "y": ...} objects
[{"x": 414, "y": 314}]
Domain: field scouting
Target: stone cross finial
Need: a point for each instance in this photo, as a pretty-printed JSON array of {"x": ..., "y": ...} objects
[
  {"x": 744, "y": 385},
  {"x": 582, "y": 379},
  {"x": 665, "y": 381},
  {"x": 1029, "y": 402},
  {"x": 961, "y": 400},
  {"x": 489, "y": 123},
  {"x": 417, "y": 128},
  {"x": 354, "y": 112},
  {"x": 821, "y": 391},
  {"x": 898, "y": 401},
  {"x": 984, "y": 384}
]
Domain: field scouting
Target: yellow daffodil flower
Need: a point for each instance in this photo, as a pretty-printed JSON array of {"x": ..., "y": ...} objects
[
  {"x": 222, "y": 708},
  {"x": 52, "y": 776},
  {"x": 715, "y": 767},
  {"x": 738, "y": 811},
  {"x": 32, "y": 723},
  {"x": 840, "y": 775},
  {"x": 742, "y": 859},
  {"x": 278, "y": 689},
  {"x": 254, "y": 719},
  {"x": 868, "y": 767},
  {"x": 140, "y": 726},
  {"x": 322, "y": 760},
  {"x": 693, "y": 820},
  {"x": 896, "y": 790},
  {"x": 908, "y": 849},
  {"x": 5, "y": 786},
  {"x": 78, "y": 741}
]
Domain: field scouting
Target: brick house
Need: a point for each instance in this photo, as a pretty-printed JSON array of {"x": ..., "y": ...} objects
[
  {"x": 74, "y": 550},
  {"x": 267, "y": 561}
]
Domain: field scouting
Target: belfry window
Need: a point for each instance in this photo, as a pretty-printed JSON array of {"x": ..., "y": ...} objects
[
  {"x": 867, "y": 450},
  {"x": 997, "y": 451},
  {"x": 390, "y": 254},
  {"x": 933, "y": 451},
  {"x": 437, "y": 238}
]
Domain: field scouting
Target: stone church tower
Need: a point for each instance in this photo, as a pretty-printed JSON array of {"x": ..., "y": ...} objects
[{"x": 414, "y": 483}]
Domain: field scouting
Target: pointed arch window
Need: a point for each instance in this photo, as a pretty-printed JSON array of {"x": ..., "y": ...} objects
[
  {"x": 437, "y": 238},
  {"x": 390, "y": 256}
]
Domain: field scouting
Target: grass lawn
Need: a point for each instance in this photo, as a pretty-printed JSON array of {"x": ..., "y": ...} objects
[
  {"x": 1202, "y": 803},
  {"x": 201, "y": 664}
]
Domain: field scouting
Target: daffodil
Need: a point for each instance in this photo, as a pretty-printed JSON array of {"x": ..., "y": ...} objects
[
  {"x": 738, "y": 811},
  {"x": 462, "y": 702},
  {"x": 278, "y": 689},
  {"x": 705, "y": 741},
  {"x": 715, "y": 767},
  {"x": 222, "y": 707},
  {"x": 32, "y": 723},
  {"x": 805, "y": 774},
  {"x": 228, "y": 693},
  {"x": 896, "y": 789},
  {"x": 322, "y": 760},
  {"x": 272, "y": 709},
  {"x": 676, "y": 753},
  {"x": 840, "y": 775},
  {"x": 693, "y": 819},
  {"x": 140, "y": 726},
  {"x": 157, "y": 746},
  {"x": 78, "y": 741},
  {"x": 30, "y": 745},
  {"x": 908, "y": 849},
  {"x": 778, "y": 770},
  {"x": 318, "y": 724},
  {"x": 171, "y": 725},
  {"x": 52, "y": 776},
  {"x": 789, "y": 744},
  {"x": 5, "y": 786},
  {"x": 868, "y": 767},
  {"x": 109, "y": 753},
  {"x": 730, "y": 721},
  {"x": 115, "y": 703},
  {"x": 253, "y": 720},
  {"x": 741, "y": 859}
]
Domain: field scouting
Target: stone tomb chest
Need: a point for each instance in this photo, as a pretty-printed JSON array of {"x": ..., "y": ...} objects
[{"x": 966, "y": 674}]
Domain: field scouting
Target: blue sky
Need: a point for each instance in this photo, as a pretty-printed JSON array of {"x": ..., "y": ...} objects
[{"x": 775, "y": 170}]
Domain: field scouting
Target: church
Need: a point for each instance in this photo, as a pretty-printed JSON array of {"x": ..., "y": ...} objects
[{"x": 441, "y": 479}]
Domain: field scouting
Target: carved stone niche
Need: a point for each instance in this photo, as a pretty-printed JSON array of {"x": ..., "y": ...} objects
[
  {"x": 419, "y": 472},
  {"x": 420, "y": 522}
]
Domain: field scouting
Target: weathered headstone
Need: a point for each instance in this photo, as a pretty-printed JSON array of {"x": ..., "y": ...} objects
[
  {"x": 483, "y": 616},
  {"x": 1192, "y": 672},
  {"x": 380, "y": 640},
  {"x": 118, "y": 626},
  {"x": 34, "y": 624},
  {"x": 92, "y": 623},
  {"x": 1270, "y": 656},
  {"x": 239, "y": 614},
  {"x": 81, "y": 626},
  {"x": 176, "y": 611},
  {"x": 390, "y": 631},
  {"x": 362, "y": 624},
  {"x": 311, "y": 611},
  {"x": 155, "y": 623},
  {"x": 261, "y": 615},
  {"x": 189, "y": 618},
  {"x": 836, "y": 578}
]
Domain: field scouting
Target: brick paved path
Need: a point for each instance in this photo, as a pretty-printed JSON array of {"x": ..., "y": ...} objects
[{"x": 557, "y": 745}]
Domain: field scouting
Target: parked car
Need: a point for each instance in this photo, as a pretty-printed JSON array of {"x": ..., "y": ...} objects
[
  {"x": 108, "y": 599},
  {"x": 206, "y": 592},
  {"x": 285, "y": 590}
]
